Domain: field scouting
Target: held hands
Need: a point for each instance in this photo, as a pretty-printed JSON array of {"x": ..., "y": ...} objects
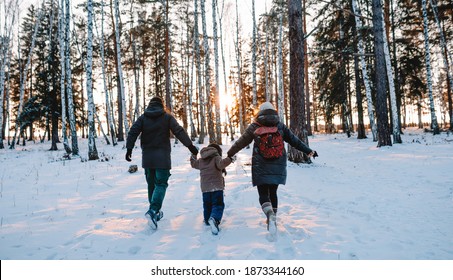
[
  {"x": 193, "y": 150},
  {"x": 128, "y": 154},
  {"x": 233, "y": 158},
  {"x": 313, "y": 154}
]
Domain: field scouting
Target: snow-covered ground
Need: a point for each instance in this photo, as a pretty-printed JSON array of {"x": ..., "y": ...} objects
[{"x": 355, "y": 201}]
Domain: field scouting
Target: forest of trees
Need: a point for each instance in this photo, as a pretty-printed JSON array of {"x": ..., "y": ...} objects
[{"x": 76, "y": 69}]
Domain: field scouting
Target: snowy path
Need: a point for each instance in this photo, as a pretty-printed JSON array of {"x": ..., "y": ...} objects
[{"x": 355, "y": 202}]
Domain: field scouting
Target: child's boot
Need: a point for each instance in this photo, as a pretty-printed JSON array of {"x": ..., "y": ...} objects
[{"x": 214, "y": 225}]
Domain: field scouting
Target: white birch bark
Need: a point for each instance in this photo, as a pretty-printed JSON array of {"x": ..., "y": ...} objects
[
  {"x": 104, "y": 81},
  {"x": 136, "y": 68},
  {"x": 434, "y": 124},
  {"x": 61, "y": 34},
  {"x": 225, "y": 83},
  {"x": 445, "y": 51},
  {"x": 23, "y": 79},
  {"x": 92, "y": 151},
  {"x": 391, "y": 81},
  {"x": 216, "y": 69},
  {"x": 68, "y": 75},
  {"x": 120, "y": 71},
  {"x": 238, "y": 62},
  {"x": 266, "y": 62},
  {"x": 366, "y": 80},
  {"x": 190, "y": 63},
  {"x": 254, "y": 98},
  {"x": 207, "y": 73},
  {"x": 281, "y": 106},
  {"x": 198, "y": 66},
  {"x": 10, "y": 8}
]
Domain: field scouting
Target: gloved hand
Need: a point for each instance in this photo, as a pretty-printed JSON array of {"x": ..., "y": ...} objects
[
  {"x": 314, "y": 154},
  {"x": 233, "y": 158},
  {"x": 193, "y": 150},
  {"x": 129, "y": 154}
]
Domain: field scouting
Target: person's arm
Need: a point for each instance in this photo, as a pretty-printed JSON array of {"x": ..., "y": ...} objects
[
  {"x": 294, "y": 141},
  {"x": 245, "y": 139},
  {"x": 182, "y": 135},
  {"x": 132, "y": 136},
  {"x": 222, "y": 163}
]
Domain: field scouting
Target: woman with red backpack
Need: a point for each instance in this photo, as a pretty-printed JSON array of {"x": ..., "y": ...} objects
[{"x": 269, "y": 157}]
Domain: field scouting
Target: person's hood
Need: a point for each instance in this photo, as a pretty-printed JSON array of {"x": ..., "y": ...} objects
[
  {"x": 208, "y": 152},
  {"x": 154, "y": 110},
  {"x": 268, "y": 117}
]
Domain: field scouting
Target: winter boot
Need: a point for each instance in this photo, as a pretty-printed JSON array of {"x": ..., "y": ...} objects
[
  {"x": 152, "y": 218},
  {"x": 159, "y": 215},
  {"x": 271, "y": 218},
  {"x": 214, "y": 225}
]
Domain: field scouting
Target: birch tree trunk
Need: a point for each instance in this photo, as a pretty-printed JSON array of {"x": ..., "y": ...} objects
[
  {"x": 266, "y": 62},
  {"x": 136, "y": 65},
  {"x": 254, "y": 98},
  {"x": 218, "y": 126},
  {"x": 224, "y": 71},
  {"x": 92, "y": 151},
  {"x": 445, "y": 58},
  {"x": 434, "y": 124},
  {"x": 381, "y": 96},
  {"x": 393, "y": 103},
  {"x": 366, "y": 81},
  {"x": 23, "y": 79},
  {"x": 296, "y": 83},
  {"x": 190, "y": 68},
  {"x": 61, "y": 36},
  {"x": 198, "y": 66},
  {"x": 5, "y": 44},
  {"x": 238, "y": 61},
  {"x": 52, "y": 81},
  {"x": 68, "y": 75},
  {"x": 104, "y": 80},
  {"x": 307, "y": 80},
  {"x": 168, "y": 93},
  {"x": 281, "y": 101},
  {"x": 207, "y": 74},
  {"x": 120, "y": 71}
]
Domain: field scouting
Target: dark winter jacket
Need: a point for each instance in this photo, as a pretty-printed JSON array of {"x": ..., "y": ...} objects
[
  {"x": 155, "y": 126},
  {"x": 210, "y": 165},
  {"x": 268, "y": 171}
]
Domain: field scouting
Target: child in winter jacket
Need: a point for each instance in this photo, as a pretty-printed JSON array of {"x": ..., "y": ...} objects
[{"x": 212, "y": 183}]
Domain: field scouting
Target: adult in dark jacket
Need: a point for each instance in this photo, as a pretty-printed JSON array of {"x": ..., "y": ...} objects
[
  {"x": 267, "y": 174},
  {"x": 155, "y": 126}
]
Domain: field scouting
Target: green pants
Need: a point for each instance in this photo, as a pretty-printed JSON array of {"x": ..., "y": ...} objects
[{"x": 157, "y": 180}]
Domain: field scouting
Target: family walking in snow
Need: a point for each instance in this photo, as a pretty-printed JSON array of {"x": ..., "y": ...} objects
[{"x": 269, "y": 161}]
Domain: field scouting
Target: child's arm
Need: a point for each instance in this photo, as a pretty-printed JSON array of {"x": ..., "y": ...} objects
[
  {"x": 194, "y": 162},
  {"x": 222, "y": 163}
]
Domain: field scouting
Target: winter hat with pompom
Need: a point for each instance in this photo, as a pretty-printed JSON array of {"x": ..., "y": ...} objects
[{"x": 266, "y": 106}]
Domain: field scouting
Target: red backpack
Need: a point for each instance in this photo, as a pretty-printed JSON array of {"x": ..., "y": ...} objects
[{"x": 270, "y": 142}]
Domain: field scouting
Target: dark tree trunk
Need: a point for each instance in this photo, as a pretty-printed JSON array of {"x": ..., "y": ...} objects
[
  {"x": 380, "y": 77},
  {"x": 361, "y": 134},
  {"x": 296, "y": 84}
]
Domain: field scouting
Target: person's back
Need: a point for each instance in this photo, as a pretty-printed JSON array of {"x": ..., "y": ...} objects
[
  {"x": 268, "y": 173},
  {"x": 155, "y": 126},
  {"x": 212, "y": 183}
]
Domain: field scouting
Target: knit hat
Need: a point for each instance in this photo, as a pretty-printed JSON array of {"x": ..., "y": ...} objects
[
  {"x": 266, "y": 106},
  {"x": 156, "y": 101}
]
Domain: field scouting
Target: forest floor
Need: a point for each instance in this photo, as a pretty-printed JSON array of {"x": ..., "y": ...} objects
[{"x": 356, "y": 201}]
